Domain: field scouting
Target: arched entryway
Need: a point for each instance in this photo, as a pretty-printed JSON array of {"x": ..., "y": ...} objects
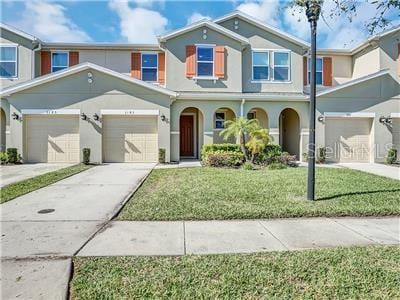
[
  {"x": 220, "y": 116},
  {"x": 289, "y": 131},
  {"x": 3, "y": 125},
  {"x": 259, "y": 114},
  {"x": 190, "y": 127}
]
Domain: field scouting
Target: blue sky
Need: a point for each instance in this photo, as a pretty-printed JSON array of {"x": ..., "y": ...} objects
[{"x": 140, "y": 21}]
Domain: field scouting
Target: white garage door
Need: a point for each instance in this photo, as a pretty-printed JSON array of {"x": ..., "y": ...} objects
[
  {"x": 348, "y": 139},
  {"x": 396, "y": 134},
  {"x": 130, "y": 139},
  {"x": 52, "y": 138}
]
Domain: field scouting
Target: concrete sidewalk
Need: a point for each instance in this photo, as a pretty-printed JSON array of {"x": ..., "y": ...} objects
[
  {"x": 374, "y": 168},
  {"x": 34, "y": 243},
  {"x": 13, "y": 173},
  {"x": 212, "y": 237}
]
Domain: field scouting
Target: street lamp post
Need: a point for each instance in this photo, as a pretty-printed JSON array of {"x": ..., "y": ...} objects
[{"x": 313, "y": 10}]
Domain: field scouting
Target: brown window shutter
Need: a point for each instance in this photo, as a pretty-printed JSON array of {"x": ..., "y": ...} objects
[
  {"x": 45, "y": 62},
  {"x": 136, "y": 65},
  {"x": 305, "y": 77},
  {"x": 161, "y": 68},
  {"x": 190, "y": 61},
  {"x": 219, "y": 66},
  {"x": 73, "y": 58},
  {"x": 327, "y": 71}
]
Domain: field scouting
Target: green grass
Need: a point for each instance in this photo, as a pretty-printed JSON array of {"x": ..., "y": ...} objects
[
  {"x": 211, "y": 193},
  {"x": 341, "y": 273},
  {"x": 20, "y": 188}
]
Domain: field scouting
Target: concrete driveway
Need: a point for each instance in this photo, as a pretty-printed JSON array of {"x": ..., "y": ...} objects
[
  {"x": 14, "y": 173},
  {"x": 54, "y": 222},
  {"x": 373, "y": 168}
]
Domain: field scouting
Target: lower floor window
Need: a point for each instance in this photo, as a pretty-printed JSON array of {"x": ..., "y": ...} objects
[
  {"x": 251, "y": 115},
  {"x": 219, "y": 120}
]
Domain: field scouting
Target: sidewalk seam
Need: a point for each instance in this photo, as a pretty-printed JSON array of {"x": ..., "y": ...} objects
[
  {"x": 184, "y": 238},
  {"x": 262, "y": 225},
  {"x": 356, "y": 232}
]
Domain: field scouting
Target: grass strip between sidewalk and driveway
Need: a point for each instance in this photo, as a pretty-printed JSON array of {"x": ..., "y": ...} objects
[
  {"x": 212, "y": 193},
  {"x": 20, "y": 188},
  {"x": 355, "y": 273}
]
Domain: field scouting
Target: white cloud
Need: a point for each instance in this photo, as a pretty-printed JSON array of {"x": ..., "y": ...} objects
[
  {"x": 48, "y": 22},
  {"x": 138, "y": 25},
  {"x": 149, "y": 3},
  {"x": 195, "y": 17},
  {"x": 263, "y": 10}
]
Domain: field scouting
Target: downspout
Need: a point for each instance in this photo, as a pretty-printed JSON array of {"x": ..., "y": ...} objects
[
  {"x": 242, "y": 107},
  {"x": 38, "y": 47}
]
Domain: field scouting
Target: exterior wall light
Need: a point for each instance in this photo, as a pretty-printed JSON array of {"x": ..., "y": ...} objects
[
  {"x": 320, "y": 119},
  {"x": 385, "y": 120},
  {"x": 15, "y": 116},
  {"x": 163, "y": 118},
  {"x": 83, "y": 117},
  {"x": 96, "y": 117}
]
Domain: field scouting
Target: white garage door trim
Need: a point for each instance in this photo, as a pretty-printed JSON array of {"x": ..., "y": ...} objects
[
  {"x": 370, "y": 142},
  {"x": 127, "y": 112},
  {"x": 349, "y": 114},
  {"x": 395, "y": 115},
  {"x": 51, "y": 111}
]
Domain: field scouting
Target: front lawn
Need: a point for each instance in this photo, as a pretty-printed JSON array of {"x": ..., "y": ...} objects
[
  {"x": 342, "y": 273},
  {"x": 20, "y": 188},
  {"x": 212, "y": 193}
]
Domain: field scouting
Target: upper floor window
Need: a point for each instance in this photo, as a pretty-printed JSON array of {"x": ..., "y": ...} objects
[
  {"x": 59, "y": 61},
  {"x": 318, "y": 73},
  {"x": 260, "y": 65},
  {"x": 205, "y": 61},
  {"x": 8, "y": 61},
  {"x": 281, "y": 66},
  {"x": 149, "y": 67}
]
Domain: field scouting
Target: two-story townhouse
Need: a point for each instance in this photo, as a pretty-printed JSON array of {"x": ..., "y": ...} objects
[{"x": 127, "y": 101}]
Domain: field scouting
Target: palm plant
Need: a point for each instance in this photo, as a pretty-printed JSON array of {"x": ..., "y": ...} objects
[{"x": 242, "y": 128}]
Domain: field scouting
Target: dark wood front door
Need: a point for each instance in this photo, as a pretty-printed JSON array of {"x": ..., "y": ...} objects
[{"x": 186, "y": 131}]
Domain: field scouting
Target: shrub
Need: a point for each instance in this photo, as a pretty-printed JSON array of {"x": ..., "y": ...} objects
[
  {"x": 224, "y": 159},
  {"x": 13, "y": 157},
  {"x": 247, "y": 166},
  {"x": 270, "y": 152},
  {"x": 3, "y": 158},
  {"x": 161, "y": 156},
  {"x": 391, "y": 156},
  {"x": 218, "y": 149},
  {"x": 276, "y": 166},
  {"x": 286, "y": 159},
  {"x": 86, "y": 156},
  {"x": 321, "y": 154}
]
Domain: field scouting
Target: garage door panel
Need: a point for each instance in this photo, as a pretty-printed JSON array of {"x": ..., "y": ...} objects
[
  {"x": 130, "y": 139},
  {"x": 348, "y": 139},
  {"x": 52, "y": 138}
]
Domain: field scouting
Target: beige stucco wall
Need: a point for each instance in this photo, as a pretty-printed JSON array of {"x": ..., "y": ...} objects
[
  {"x": 388, "y": 54},
  {"x": 24, "y": 59},
  {"x": 379, "y": 96},
  {"x": 74, "y": 92},
  {"x": 366, "y": 62},
  {"x": 176, "y": 62},
  {"x": 262, "y": 39},
  {"x": 341, "y": 69}
]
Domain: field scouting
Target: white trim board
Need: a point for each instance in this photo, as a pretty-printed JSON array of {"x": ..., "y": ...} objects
[
  {"x": 395, "y": 115},
  {"x": 50, "y": 111},
  {"x": 349, "y": 114},
  {"x": 130, "y": 112}
]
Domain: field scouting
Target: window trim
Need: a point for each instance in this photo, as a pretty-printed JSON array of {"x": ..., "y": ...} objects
[
  {"x": 59, "y": 51},
  {"x": 322, "y": 70},
  {"x": 141, "y": 65},
  {"x": 288, "y": 65},
  {"x": 212, "y": 46},
  {"x": 215, "y": 122},
  {"x": 252, "y": 65},
  {"x": 15, "y": 46}
]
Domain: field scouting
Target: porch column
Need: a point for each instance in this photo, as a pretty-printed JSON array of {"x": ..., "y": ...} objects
[
  {"x": 274, "y": 132},
  {"x": 304, "y": 137},
  {"x": 208, "y": 126}
]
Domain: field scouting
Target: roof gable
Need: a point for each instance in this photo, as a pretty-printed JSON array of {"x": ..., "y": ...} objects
[
  {"x": 78, "y": 68},
  {"x": 18, "y": 32},
  {"x": 262, "y": 25},
  {"x": 206, "y": 23}
]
